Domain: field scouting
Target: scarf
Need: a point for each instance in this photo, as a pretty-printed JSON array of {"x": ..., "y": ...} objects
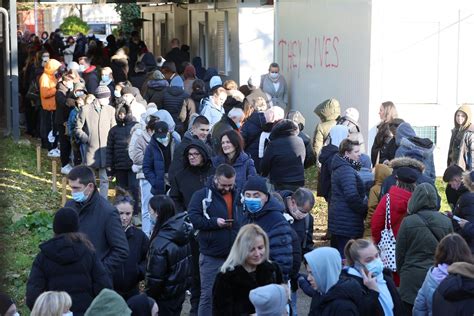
[{"x": 355, "y": 164}]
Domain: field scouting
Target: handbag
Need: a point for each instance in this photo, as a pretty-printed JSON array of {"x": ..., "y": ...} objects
[{"x": 388, "y": 242}]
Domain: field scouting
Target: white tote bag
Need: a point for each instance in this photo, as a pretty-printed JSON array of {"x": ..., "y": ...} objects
[{"x": 388, "y": 242}]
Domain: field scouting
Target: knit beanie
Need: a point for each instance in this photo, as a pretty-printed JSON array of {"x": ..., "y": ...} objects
[
  {"x": 215, "y": 82},
  {"x": 102, "y": 92},
  {"x": 65, "y": 220},
  {"x": 269, "y": 300},
  {"x": 407, "y": 174},
  {"x": 256, "y": 183},
  {"x": 73, "y": 66},
  {"x": 365, "y": 161},
  {"x": 352, "y": 114},
  {"x": 108, "y": 303}
]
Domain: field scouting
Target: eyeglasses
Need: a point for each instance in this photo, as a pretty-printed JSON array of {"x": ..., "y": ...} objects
[{"x": 194, "y": 155}]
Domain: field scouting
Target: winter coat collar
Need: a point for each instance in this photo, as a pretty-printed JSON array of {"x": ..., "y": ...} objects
[
  {"x": 62, "y": 250},
  {"x": 177, "y": 229},
  {"x": 283, "y": 129},
  {"x": 462, "y": 268}
]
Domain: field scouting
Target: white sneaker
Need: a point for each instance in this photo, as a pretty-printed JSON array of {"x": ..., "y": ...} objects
[
  {"x": 54, "y": 153},
  {"x": 66, "y": 169}
]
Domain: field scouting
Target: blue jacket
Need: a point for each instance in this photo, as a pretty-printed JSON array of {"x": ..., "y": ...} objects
[
  {"x": 271, "y": 219},
  {"x": 154, "y": 165},
  {"x": 211, "y": 112},
  {"x": 213, "y": 240},
  {"x": 424, "y": 300},
  {"x": 348, "y": 205},
  {"x": 250, "y": 132},
  {"x": 243, "y": 165}
]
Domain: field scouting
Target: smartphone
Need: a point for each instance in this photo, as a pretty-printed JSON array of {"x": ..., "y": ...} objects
[
  {"x": 229, "y": 220},
  {"x": 452, "y": 216}
]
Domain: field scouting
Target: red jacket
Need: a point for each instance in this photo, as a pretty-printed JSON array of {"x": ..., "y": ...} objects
[{"x": 398, "y": 210}]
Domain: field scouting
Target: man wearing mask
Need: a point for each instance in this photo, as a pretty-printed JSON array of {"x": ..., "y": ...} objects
[
  {"x": 215, "y": 212},
  {"x": 274, "y": 84},
  {"x": 199, "y": 131},
  {"x": 213, "y": 106},
  {"x": 169, "y": 71},
  {"x": 263, "y": 209},
  {"x": 98, "y": 219},
  {"x": 92, "y": 128},
  {"x": 88, "y": 73},
  {"x": 158, "y": 157}
]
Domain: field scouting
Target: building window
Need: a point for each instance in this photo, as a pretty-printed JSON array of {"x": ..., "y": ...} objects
[
  {"x": 222, "y": 36},
  {"x": 427, "y": 132}
]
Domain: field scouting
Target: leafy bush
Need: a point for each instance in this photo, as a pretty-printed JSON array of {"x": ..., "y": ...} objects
[
  {"x": 73, "y": 25},
  {"x": 39, "y": 223},
  {"x": 128, "y": 13}
]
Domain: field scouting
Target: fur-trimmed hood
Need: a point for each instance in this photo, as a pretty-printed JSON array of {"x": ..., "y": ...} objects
[
  {"x": 463, "y": 268},
  {"x": 406, "y": 162}
]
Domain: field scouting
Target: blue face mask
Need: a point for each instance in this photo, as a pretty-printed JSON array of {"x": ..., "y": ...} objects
[
  {"x": 70, "y": 85},
  {"x": 237, "y": 124},
  {"x": 82, "y": 68},
  {"x": 79, "y": 196},
  {"x": 79, "y": 93},
  {"x": 253, "y": 205},
  {"x": 117, "y": 94},
  {"x": 152, "y": 220},
  {"x": 105, "y": 78},
  {"x": 375, "y": 266}
]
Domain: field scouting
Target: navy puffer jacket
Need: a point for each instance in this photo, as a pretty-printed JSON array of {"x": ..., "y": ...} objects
[
  {"x": 213, "y": 240},
  {"x": 271, "y": 219},
  {"x": 348, "y": 206},
  {"x": 169, "y": 263},
  {"x": 154, "y": 165},
  {"x": 250, "y": 132},
  {"x": 173, "y": 98},
  {"x": 244, "y": 167},
  {"x": 118, "y": 141}
]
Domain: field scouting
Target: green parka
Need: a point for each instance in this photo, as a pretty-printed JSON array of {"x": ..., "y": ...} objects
[{"x": 328, "y": 111}]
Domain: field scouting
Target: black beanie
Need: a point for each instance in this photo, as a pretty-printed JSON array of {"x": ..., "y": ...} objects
[
  {"x": 408, "y": 174},
  {"x": 66, "y": 220},
  {"x": 256, "y": 183}
]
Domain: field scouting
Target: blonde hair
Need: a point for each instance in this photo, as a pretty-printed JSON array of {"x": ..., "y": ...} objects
[
  {"x": 52, "y": 303},
  {"x": 108, "y": 71},
  {"x": 390, "y": 111},
  {"x": 352, "y": 248},
  {"x": 242, "y": 246},
  {"x": 89, "y": 99},
  {"x": 466, "y": 179}
]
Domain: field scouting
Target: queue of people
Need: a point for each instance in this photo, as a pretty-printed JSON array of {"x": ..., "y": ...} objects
[{"x": 210, "y": 196}]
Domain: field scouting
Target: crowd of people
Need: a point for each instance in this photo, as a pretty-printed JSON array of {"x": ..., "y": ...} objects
[{"x": 211, "y": 197}]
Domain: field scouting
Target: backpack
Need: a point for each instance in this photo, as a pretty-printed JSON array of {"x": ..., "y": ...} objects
[{"x": 201, "y": 106}]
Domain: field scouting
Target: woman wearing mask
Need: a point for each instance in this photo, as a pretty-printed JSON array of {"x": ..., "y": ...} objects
[
  {"x": 274, "y": 84},
  {"x": 67, "y": 262},
  {"x": 461, "y": 145},
  {"x": 69, "y": 50},
  {"x": 452, "y": 248},
  {"x": 363, "y": 264},
  {"x": 141, "y": 135},
  {"x": 254, "y": 125},
  {"x": 107, "y": 79},
  {"x": 132, "y": 271},
  {"x": 332, "y": 296},
  {"x": 246, "y": 268},
  {"x": 387, "y": 113},
  {"x": 169, "y": 266},
  {"x": 232, "y": 153},
  {"x": 53, "y": 304}
]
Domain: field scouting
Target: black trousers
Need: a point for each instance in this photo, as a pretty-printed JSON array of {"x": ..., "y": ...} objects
[
  {"x": 196, "y": 281},
  {"x": 127, "y": 180},
  {"x": 64, "y": 145},
  {"x": 171, "y": 307},
  {"x": 46, "y": 125}
]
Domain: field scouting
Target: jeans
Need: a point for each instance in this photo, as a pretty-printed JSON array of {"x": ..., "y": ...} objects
[
  {"x": 208, "y": 268},
  {"x": 294, "y": 297},
  {"x": 126, "y": 179},
  {"x": 145, "y": 189},
  {"x": 103, "y": 183}
]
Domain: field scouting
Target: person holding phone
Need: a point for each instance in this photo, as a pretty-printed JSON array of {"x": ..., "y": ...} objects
[{"x": 364, "y": 265}]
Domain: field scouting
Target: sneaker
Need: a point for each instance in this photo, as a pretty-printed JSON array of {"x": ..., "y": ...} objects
[
  {"x": 66, "y": 169},
  {"x": 54, "y": 153}
]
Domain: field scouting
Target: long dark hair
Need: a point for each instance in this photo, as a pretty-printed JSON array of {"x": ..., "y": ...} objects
[
  {"x": 79, "y": 237},
  {"x": 452, "y": 248},
  {"x": 164, "y": 207},
  {"x": 236, "y": 140}
]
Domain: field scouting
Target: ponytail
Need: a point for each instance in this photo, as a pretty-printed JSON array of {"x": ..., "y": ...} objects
[{"x": 352, "y": 248}]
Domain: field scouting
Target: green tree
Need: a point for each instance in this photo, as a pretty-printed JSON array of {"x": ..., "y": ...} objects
[
  {"x": 128, "y": 13},
  {"x": 73, "y": 25}
]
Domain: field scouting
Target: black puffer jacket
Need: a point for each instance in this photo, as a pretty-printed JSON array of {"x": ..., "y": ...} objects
[
  {"x": 66, "y": 265},
  {"x": 342, "y": 299},
  {"x": 231, "y": 289},
  {"x": 118, "y": 141},
  {"x": 132, "y": 271},
  {"x": 155, "y": 91},
  {"x": 169, "y": 263},
  {"x": 173, "y": 98},
  {"x": 62, "y": 110},
  {"x": 191, "y": 179},
  {"x": 284, "y": 156},
  {"x": 324, "y": 180},
  {"x": 455, "y": 294},
  {"x": 251, "y": 131}
]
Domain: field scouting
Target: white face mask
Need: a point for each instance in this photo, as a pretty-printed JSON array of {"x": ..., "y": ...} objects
[{"x": 274, "y": 75}]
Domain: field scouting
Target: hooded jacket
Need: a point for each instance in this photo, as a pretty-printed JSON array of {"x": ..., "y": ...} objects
[
  {"x": 139, "y": 140},
  {"x": 132, "y": 271},
  {"x": 417, "y": 239},
  {"x": 250, "y": 132},
  {"x": 173, "y": 98},
  {"x": 244, "y": 167},
  {"x": 271, "y": 219},
  {"x": 407, "y": 140},
  {"x": 108, "y": 303},
  {"x": 284, "y": 156},
  {"x": 398, "y": 210},
  {"x": 324, "y": 180},
  {"x": 328, "y": 112},
  {"x": 214, "y": 241},
  {"x": 382, "y": 171},
  {"x": 354, "y": 130},
  {"x": 465, "y": 209},
  {"x": 455, "y": 294},
  {"x": 348, "y": 205},
  {"x": 47, "y": 85},
  {"x": 155, "y": 91},
  {"x": 231, "y": 289},
  {"x": 461, "y": 145},
  {"x": 211, "y": 111},
  {"x": 298, "y": 119},
  {"x": 191, "y": 178},
  {"x": 169, "y": 264},
  {"x": 93, "y": 124},
  {"x": 66, "y": 265},
  {"x": 424, "y": 299},
  {"x": 118, "y": 142}
]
